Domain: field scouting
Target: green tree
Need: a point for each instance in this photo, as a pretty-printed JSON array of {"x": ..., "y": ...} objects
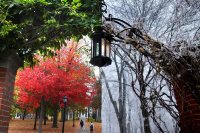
[{"x": 30, "y": 25}]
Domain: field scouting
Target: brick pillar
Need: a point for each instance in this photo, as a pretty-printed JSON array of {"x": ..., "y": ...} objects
[
  {"x": 9, "y": 63},
  {"x": 189, "y": 110}
]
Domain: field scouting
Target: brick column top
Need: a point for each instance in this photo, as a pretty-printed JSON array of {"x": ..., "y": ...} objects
[{"x": 10, "y": 60}]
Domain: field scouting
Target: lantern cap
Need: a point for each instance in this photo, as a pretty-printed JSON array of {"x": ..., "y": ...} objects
[{"x": 99, "y": 31}]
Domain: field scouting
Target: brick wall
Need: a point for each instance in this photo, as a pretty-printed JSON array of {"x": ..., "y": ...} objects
[
  {"x": 8, "y": 67},
  {"x": 5, "y": 97},
  {"x": 189, "y": 110}
]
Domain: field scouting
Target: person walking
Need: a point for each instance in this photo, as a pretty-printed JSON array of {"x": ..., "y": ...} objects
[
  {"x": 81, "y": 124},
  {"x": 91, "y": 127}
]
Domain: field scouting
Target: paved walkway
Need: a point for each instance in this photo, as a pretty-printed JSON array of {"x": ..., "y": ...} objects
[{"x": 83, "y": 131}]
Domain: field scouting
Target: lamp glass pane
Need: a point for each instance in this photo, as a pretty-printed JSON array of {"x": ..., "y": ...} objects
[
  {"x": 92, "y": 50},
  {"x": 107, "y": 48},
  {"x": 96, "y": 45},
  {"x": 97, "y": 49},
  {"x": 103, "y": 47}
]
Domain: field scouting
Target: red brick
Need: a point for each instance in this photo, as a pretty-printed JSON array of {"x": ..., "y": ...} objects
[
  {"x": 1, "y": 90},
  {"x": 5, "y": 123},
  {"x": 7, "y": 76},
  {"x": 1, "y": 95},
  {"x": 4, "y": 118},
  {"x": 3, "y": 69},
  {"x": 196, "y": 111},
  {"x": 198, "y": 124},
  {"x": 3, "y": 129},
  {"x": 190, "y": 120},
  {"x": 7, "y": 102},
  {"x": 197, "y": 120},
  {"x": 189, "y": 96},
  {"x": 5, "y": 107},
  {"x": 2, "y": 84},
  {"x": 5, "y": 113},
  {"x": 196, "y": 117},
  {"x": 2, "y": 79},
  {"x": 193, "y": 107},
  {"x": 192, "y": 101},
  {"x": 2, "y": 74}
]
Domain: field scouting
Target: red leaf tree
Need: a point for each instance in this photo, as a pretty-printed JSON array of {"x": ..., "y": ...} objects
[{"x": 53, "y": 78}]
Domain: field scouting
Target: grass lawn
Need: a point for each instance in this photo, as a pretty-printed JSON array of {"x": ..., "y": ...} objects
[{"x": 26, "y": 126}]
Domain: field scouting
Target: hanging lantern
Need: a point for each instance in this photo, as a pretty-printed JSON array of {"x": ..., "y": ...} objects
[{"x": 100, "y": 48}]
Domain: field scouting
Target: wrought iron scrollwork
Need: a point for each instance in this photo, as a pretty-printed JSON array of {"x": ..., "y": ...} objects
[{"x": 103, "y": 7}]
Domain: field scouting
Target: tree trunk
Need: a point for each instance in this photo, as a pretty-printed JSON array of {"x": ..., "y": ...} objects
[
  {"x": 67, "y": 112},
  {"x": 99, "y": 114},
  {"x": 147, "y": 128},
  {"x": 129, "y": 121},
  {"x": 120, "y": 126},
  {"x": 114, "y": 103},
  {"x": 73, "y": 119},
  {"x": 143, "y": 101},
  {"x": 145, "y": 115},
  {"x": 45, "y": 117},
  {"x": 62, "y": 113},
  {"x": 55, "y": 118},
  {"x": 141, "y": 123},
  {"x": 35, "y": 122},
  {"x": 88, "y": 113},
  {"x": 122, "y": 122},
  {"x": 41, "y": 115},
  {"x": 24, "y": 114},
  {"x": 124, "y": 126},
  {"x": 96, "y": 111}
]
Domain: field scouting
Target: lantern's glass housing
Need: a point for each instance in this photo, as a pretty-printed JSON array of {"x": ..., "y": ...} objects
[
  {"x": 65, "y": 99},
  {"x": 101, "y": 48}
]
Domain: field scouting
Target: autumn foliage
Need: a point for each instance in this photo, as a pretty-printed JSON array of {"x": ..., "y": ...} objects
[{"x": 52, "y": 78}]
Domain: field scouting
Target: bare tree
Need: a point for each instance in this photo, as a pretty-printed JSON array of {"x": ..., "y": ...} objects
[
  {"x": 175, "y": 24},
  {"x": 120, "y": 105},
  {"x": 167, "y": 20},
  {"x": 148, "y": 87}
]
